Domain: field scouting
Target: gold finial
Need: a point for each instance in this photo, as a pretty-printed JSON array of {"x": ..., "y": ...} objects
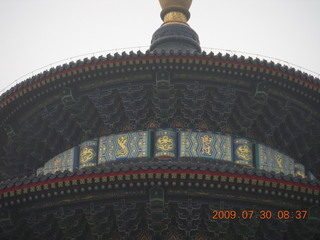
[{"x": 175, "y": 11}]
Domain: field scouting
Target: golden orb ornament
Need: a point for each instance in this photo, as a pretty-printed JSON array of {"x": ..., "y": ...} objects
[{"x": 182, "y": 4}]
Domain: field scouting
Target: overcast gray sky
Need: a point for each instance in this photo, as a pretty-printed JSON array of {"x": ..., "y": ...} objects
[{"x": 36, "y": 33}]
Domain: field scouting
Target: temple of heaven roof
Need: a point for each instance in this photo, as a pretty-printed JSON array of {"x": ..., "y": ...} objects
[{"x": 171, "y": 143}]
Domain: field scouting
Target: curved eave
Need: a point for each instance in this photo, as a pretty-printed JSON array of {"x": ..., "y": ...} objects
[
  {"x": 230, "y": 62},
  {"x": 293, "y": 190}
]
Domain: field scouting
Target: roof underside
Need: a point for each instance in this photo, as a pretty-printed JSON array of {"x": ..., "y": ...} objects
[{"x": 52, "y": 112}]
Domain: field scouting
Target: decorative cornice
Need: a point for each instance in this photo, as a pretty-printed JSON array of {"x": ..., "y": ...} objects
[
  {"x": 209, "y": 60},
  {"x": 214, "y": 169},
  {"x": 141, "y": 178}
]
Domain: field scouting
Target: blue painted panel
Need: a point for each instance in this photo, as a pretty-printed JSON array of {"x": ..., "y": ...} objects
[
  {"x": 311, "y": 176},
  {"x": 40, "y": 171},
  {"x": 242, "y": 151},
  {"x": 124, "y": 146},
  {"x": 299, "y": 170},
  {"x": 272, "y": 160},
  {"x": 88, "y": 155},
  {"x": 204, "y": 145},
  {"x": 165, "y": 143},
  {"x": 64, "y": 161}
]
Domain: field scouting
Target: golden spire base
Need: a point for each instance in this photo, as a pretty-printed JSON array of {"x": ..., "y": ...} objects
[{"x": 175, "y": 11}]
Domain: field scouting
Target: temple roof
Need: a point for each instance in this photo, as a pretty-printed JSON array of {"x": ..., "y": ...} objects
[
  {"x": 269, "y": 103},
  {"x": 63, "y": 106},
  {"x": 172, "y": 86}
]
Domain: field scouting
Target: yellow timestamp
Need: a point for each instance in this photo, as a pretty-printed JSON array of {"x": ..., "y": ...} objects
[{"x": 261, "y": 214}]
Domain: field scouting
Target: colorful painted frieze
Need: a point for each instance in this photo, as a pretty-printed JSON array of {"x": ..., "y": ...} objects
[
  {"x": 40, "y": 171},
  {"x": 165, "y": 143},
  {"x": 88, "y": 153},
  {"x": 271, "y": 160},
  {"x": 204, "y": 145},
  {"x": 124, "y": 146},
  {"x": 299, "y": 170},
  {"x": 242, "y": 151},
  {"x": 311, "y": 176},
  {"x": 64, "y": 161}
]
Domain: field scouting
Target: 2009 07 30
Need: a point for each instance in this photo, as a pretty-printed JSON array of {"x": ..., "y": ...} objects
[{"x": 261, "y": 214}]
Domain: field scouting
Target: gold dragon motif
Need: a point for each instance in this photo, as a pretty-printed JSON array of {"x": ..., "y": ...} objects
[
  {"x": 244, "y": 152},
  {"x": 206, "y": 147},
  {"x": 122, "y": 151},
  {"x": 165, "y": 143},
  {"x": 87, "y": 154}
]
